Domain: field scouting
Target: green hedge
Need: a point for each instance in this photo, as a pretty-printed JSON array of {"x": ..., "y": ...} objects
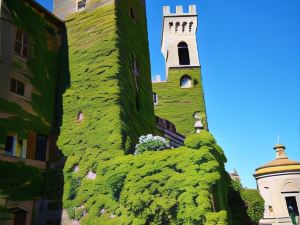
[
  {"x": 167, "y": 187},
  {"x": 246, "y": 205}
]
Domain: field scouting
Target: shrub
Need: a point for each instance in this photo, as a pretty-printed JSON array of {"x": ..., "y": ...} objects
[
  {"x": 151, "y": 143},
  {"x": 196, "y": 141},
  {"x": 246, "y": 205},
  {"x": 216, "y": 218},
  {"x": 254, "y": 204}
]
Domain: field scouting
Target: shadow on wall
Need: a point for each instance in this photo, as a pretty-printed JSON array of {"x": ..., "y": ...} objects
[{"x": 29, "y": 193}]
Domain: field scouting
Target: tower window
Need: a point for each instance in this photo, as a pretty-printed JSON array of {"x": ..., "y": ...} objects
[
  {"x": 190, "y": 26},
  {"x": 184, "y": 24},
  {"x": 155, "y": 98},
  {"x": 132, "y": 14},
  {"x": 185, "y": 81},
  {"x": 17, "y": 87},
  {"x": 22, "y": 43},
  {"x": 176, "y": 26},
  {"x": 170, "y": 25},
  {"x": 81, "y": 4},
  {"x": 183, "y": 54}
]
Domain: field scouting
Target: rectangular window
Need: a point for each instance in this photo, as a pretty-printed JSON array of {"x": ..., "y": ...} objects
[
  {"x": 10, "y": 144},
  {"x": 22, "y": 43},
  {"x": 17, "y": 87},
  {"x": 155, "y": 98},
  {"x": 41, "y": 147}
]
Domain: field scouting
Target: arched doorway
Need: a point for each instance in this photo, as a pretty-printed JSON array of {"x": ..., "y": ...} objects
[{"x": 20, "y": 217}]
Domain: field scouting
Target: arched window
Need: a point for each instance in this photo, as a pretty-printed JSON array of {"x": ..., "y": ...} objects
[
  {"x": 185, "y": 81},
  {"x": 81, "y": 4},
  {"x": 183, "y": 54},
  {"x": 184, "y": 24},
  {"x": 176, "y": 26}
]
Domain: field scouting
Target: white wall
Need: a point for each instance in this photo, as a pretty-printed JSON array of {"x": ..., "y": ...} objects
[{"x": 274, "y": 188}]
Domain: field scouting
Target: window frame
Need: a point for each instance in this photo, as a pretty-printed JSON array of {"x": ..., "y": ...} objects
[
  {"x": 14, "y": 83},
  {"x": 22, "y": 42}
]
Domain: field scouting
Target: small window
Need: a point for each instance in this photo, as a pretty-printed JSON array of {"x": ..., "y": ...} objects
[
  {"x": 176, "y": 26},
  {"x": 185, "y": 82},
  {"x": 17, "y": 87},
  {"x": 10, "y": 144},
  {"x": 155, "y": 98},
  {"x": 132, "y": 14},
  {"x": 41, "y": 147},
  {"x": 184, "y": 24},
  {"x": 22, "y": 43},
  {"x": 190, "y": 26},
  {"x": 81, "y": 4}
]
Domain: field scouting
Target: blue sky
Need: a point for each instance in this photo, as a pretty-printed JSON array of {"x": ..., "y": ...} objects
[{"x": 250, "y": 57}]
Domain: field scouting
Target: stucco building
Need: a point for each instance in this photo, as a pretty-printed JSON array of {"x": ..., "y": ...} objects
[{"x": 279, "y": 184}]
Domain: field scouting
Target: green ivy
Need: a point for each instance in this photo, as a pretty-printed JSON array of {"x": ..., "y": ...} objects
[
  {"x": 190, "y": 100},
  {"x": 43, "y": 66},
  {"x": 246, "y": 205}
]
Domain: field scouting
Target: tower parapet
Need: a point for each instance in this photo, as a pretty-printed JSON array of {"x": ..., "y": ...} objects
[{"x": 179, "y": 11}]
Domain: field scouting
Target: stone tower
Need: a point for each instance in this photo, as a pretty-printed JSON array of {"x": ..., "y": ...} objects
[
  {"x": 110, "y": 87},
  {"x": 181, "y": 94}
]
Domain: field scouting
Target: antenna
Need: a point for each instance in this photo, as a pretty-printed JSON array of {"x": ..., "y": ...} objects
[{"x": 278, "y": 139}]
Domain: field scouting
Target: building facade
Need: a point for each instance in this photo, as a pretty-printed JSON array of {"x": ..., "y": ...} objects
[
  {"x": 181, "y": 95},
  {"x": 31, "y": 42},
  {"x": 279, "y": 184}
]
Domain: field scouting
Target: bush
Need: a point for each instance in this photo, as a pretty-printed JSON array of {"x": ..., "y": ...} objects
[
  {"x": 246, "y": 205},
  {"x": 254, "y": 204},
  {"x": 196, "y": 141},
  {"x": 151, "y": 143}
]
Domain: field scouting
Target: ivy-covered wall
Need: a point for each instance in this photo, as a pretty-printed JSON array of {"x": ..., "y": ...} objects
[
  {"x": 102, "y": 48},
  {"x": 45, "y": 66},
  {"x": 179, "y": 104},
  {"x": 42, "y": 67}
]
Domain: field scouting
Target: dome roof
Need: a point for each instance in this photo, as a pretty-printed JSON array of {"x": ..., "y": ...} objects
[{"x": 280, "y": 164}]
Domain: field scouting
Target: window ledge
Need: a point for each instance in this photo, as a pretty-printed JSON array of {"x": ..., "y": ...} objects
[
  {"x": 19, "y": 96},
  {"x": 20, "y": 57},
  {"x": 28, "y": 162}
]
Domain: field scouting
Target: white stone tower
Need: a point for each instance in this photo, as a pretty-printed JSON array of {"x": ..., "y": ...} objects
[{"x": 179, "y": 42}]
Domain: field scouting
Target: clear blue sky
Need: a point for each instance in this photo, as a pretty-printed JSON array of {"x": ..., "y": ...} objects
[{"x": 250, "y": 56}]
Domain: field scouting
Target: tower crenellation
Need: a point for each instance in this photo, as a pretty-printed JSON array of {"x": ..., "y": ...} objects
[{"x": 179, "y": 11}]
